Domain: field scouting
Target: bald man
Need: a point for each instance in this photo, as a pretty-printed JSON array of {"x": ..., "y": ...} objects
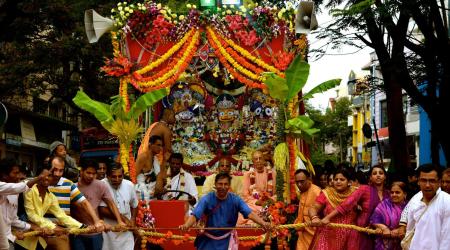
[{"x": 258, "y": 180}]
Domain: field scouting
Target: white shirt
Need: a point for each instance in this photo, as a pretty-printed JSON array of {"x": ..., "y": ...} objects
[
  {"x": 189, "y": 186},
  {"x": 432, "y": 229},
  {"x": 8, "y": 189},
  {"x": 417, "y": 198},
  {"x": 125, "y": 199},
  {"x": 146, "y": 190},
  {"x": 10, "y": 218}
]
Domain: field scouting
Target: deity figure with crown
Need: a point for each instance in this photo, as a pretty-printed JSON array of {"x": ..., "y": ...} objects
[
  {"x": 224, "y": 136},
  {"x": 187, "y": 100},
  {"x": 257, "y": 117}
]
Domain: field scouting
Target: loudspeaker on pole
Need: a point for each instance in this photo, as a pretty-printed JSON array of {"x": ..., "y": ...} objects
[
  {"x": 305, "y": 20},
  {"x": 96, "y": 25}
]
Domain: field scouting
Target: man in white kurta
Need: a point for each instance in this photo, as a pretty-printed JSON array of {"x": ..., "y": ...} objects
[
  {"x": 146, "y": 182},
  {"x": 126, "y": 201},
  {"x": 182, "y": 181},
  {"x": 9, "y": 172},
  {"x": 430, "y": 217}
]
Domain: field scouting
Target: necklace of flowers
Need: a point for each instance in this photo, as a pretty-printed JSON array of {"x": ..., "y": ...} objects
[
  {"x": 169, "y": 77},
  {"x": 231, "y": 70},
  {"x": 181, "y": 183},
  {"x": 269, "y": 187}
]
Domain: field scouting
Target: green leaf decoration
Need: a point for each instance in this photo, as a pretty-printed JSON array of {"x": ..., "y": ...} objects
[
  {"x": 296, "y": 76},
  {"x": 145, "y": 101},
  {"x": 327, "y": 85},
  {"x": 311, "y": 131},
  {"x": 100, "y": 110},
  {"x": 278, "y": 89},
  {"x": 301, "y": 122}
]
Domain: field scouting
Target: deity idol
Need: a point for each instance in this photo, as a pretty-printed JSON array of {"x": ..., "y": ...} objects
[{"x": 226, "y": 134}]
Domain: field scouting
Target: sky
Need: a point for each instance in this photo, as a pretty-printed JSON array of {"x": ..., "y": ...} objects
[{"x": 332, "y": 66}]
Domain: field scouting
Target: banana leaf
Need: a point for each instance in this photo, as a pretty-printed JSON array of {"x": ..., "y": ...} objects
[
  {"x": 327, "y": 85},
  {"x": 278, "y": 89},
  {"x": 296, "y": 76},
  {"x": 100, "y": 110},
  {"x": 301, "y": 122},
  {"x": 145, "y": 101}
]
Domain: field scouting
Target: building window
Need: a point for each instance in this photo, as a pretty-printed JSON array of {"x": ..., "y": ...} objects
[{"x": 383, "y": 114}]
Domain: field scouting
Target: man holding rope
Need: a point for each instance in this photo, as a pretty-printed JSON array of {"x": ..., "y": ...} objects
[{"x": 220, "y": 209}]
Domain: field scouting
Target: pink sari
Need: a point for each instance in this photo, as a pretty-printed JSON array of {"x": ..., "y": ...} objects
[{"x": 328, "y": 238}]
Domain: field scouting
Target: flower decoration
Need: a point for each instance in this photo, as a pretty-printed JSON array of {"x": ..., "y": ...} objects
[
  {"x": 118, "y": 66},
  {"x": 144, "y": 217},
  {"x": 282, "y": 59}
]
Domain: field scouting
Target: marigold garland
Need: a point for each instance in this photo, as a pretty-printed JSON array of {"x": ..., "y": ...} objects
[
  {"x": 132, "y": 164},
  {"x": 231, "y": 69},
  {"x": 123, "y": 90},
  {"x": 252, "y": 58},
  {"x": 168, "y": 54},
  {"x": 170, "y": 77},
  {"x": 292, "y": 165},
  {"x": 230, "y": 59},
  {"x": 115, "y": 44}
]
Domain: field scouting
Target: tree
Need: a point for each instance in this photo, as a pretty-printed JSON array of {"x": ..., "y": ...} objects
[
  {"x": 385, "y": 27},
  {"x": 43, "y": 46},
  {"x": 333, "y": 129}
]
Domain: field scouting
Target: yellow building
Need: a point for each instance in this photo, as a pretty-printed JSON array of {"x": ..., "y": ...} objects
[{"x": 360, "y": 153}]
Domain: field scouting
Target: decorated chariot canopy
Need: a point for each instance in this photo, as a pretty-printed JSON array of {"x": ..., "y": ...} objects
[
  {"x": 231, "y": 73},
  {"x": 155, "y": 46}
]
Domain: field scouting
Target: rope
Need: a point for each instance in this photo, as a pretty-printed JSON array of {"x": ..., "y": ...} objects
[{"x": 152, "y": 233}]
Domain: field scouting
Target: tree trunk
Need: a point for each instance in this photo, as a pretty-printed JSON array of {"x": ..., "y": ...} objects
[
  {"x": 393, "y": 89},
  {"x": 397, "y": 131}
]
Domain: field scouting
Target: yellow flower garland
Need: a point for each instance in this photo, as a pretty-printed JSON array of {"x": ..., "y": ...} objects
[
  {"x": 230, "y": 59},
  {"x": 115, "y": 44},
  {"x": 176, "y": 68},
  {"x": 123, "y": 89},
  {"x": 252, "y": 58},
  {"x": 166, "y": 55}
]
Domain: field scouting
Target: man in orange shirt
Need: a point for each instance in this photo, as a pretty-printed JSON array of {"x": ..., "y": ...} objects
[{"x": 308, "y": 195}]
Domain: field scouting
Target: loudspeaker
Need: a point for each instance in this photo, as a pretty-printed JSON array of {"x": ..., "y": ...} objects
[
  {"x": 96, "y": 25},
  {"x": 305, "y": 20}
]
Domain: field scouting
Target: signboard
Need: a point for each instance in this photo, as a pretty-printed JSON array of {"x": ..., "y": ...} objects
[{"x": 27, "y": 129}]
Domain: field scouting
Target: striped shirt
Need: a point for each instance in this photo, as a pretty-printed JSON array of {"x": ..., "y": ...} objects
[{"x": 66, "y": 192}]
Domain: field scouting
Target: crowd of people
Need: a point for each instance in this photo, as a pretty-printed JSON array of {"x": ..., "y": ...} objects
[{"x": 408, "y": 214}]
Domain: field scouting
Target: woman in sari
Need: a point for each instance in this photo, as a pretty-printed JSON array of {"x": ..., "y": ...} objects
[
  {"x": 364, "y": 200},
  {"x": 327, "y": 238},
  {"x": 387, "y": 217}
]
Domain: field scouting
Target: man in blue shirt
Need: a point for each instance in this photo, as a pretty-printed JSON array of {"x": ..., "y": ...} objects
[{"x": 220, "y": 209}]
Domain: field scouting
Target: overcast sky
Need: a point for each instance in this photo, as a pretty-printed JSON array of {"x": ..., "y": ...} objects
[{"x": 332, "y": 66}]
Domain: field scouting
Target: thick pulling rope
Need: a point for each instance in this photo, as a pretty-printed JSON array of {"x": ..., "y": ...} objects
[{"x": 151, "y": 231}]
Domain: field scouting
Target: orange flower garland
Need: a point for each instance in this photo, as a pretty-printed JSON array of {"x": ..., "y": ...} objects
[
  {"x": 166, "y": 78},
  {"x": 233, "y": 62},
  {"x": 233, "y": 72},
  {"x": 292, "y": 162},
  {"x": 168, "y": 54},
  {"x": 132, "y": 163},
  {"x": 252, "y": 58},
  {"x": 123, "y": 90},
  {"x": 170, "y": 75}
]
